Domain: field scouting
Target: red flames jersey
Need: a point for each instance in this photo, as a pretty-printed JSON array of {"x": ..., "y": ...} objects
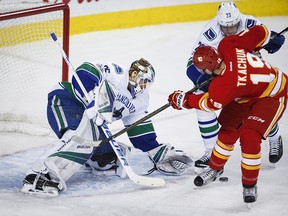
[{"x": 245, "y": 77}]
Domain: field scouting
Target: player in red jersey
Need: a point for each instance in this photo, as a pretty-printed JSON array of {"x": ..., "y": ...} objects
[{"x": 252, "y": 95}]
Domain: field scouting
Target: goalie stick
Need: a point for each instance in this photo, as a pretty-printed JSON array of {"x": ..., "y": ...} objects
[
  {"x": 137, "y": 179},
  {"x": 160, "y": 109}
]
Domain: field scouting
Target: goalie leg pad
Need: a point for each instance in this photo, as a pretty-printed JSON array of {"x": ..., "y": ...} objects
[
  {"x": 65, "y": 162},
  {"x": 71, "y": 153},
  {"x": 60, "y": 162}
]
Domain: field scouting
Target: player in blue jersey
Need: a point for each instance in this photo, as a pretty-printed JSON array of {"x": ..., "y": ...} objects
[{"x": 70, "y": 113}]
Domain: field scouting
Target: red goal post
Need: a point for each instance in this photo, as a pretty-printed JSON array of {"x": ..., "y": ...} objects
[{"x": 30, "y": 64}]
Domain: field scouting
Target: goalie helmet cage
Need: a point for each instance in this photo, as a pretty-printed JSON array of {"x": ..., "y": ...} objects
[{"x": 30, "y": 64}]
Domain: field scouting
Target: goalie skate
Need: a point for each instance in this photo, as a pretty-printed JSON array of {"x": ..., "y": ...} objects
[
  {"x": 40, "y": 185},
  {"x": 108, "y": 164}
]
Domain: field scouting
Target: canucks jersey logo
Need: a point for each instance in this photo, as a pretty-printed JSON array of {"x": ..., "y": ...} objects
[
  {"x": 118, "y": 113},
  {"x": 250, "y": 23},
  {"x": 210, "y": 34}
]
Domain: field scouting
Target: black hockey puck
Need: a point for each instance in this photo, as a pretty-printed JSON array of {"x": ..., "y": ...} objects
[
  {"x": 223, "y": 179},
  {"x": 198, "y": 181}
]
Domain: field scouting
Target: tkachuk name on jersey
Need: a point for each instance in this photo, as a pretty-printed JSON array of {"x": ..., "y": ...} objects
[{"x": 242, "y": 67}]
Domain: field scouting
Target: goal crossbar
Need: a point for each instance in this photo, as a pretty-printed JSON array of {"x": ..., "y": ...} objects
[{"x": 47, "y": 9}]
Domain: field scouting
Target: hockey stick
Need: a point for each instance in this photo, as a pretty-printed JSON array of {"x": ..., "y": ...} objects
[
  {"x": 55, "y": 39},
  {"x": 137, "y": 179},
  {"x": 96, "y": 143},
  {"x": 151, "y": 114},
  {"x": 124, "y": 130},
  {"x": 283, "y": 31}
]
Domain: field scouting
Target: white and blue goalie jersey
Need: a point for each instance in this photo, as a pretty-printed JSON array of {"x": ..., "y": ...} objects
[{"x": 126, "y": 107}]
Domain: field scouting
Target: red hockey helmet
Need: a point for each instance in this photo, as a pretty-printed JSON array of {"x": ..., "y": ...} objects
[{"x": 206, "y": 57}]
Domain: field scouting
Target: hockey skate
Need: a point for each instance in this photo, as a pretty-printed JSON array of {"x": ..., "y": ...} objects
[
  {"x": 203, "y": 161},
  {"x": 40, "y": 185},
  {"x": 250, "y": 194},
  {"x": 276, "y": 150},
  {"x": 207, "y": 177}
]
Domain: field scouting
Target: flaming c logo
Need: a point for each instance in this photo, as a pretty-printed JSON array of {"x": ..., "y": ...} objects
[{"x": 200, "y": 59}]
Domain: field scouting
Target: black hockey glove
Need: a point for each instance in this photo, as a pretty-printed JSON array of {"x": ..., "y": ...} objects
[{"x": 275, "y": 42}]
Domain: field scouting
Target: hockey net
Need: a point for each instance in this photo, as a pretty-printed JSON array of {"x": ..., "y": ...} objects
[{"x": 30, "y": 64}]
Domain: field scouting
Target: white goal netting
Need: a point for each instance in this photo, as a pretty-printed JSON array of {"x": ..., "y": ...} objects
[{"x": 30, "y": 64}]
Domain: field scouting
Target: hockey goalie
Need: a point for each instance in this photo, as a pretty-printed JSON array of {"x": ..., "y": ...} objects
[{"x": 117, "y": 93}]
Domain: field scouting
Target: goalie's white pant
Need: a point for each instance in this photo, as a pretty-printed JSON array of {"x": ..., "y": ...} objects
[{"x": 209, "y": 128}]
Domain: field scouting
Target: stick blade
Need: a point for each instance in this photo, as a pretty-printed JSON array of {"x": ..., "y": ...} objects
[
  {"x": 145, "y": 180},
  {"x": 148, "y": 181}
]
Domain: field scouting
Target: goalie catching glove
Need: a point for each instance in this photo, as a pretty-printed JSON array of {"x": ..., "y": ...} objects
[
  {"x": 179, "y": 100},
  {"x": 169, "y": 161}
]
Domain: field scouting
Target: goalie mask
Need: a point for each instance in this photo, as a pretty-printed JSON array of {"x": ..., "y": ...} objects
[
  {"x": 228, "y": 17},
  {"x": 206, "y": 58},
  {"x": 141, "y": 76}
]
